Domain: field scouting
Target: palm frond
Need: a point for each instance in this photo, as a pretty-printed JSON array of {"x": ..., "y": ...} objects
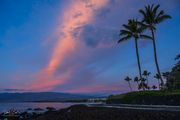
[
  {"x": 127, "y": 79},
  {"x": 143, "y": 13},
  {"x": 160, "y": 14},
  {"x": 136, "y": 79},
  {"x": 124, "y": 38},
  {"x": 152, "y": 15},
  {"x": 162, "y": 18},
  {"x": 127, "y": 27},
  {"x": 125, "y": 32},
  {"x": 141, "y": 23},
  {"x": 141, "y": 29},
  {"x": 157, "y": 76},
  {"x": 155, "y": 9},
  {"x": 152, "y": 7}
]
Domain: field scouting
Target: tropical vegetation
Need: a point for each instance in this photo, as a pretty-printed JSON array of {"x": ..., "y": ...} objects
[
  {"x": 153, "y": 97},
  {"x": 128, "y": 79},
  {"x": 134, "y": 29},
  {"x": 146, "y": 29},
  {"x": 152, "y": 16},
  {"x": 173, "y": 77}
]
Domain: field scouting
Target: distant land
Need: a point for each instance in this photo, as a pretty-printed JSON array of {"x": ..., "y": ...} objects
[{"x": 42, "y": 97}]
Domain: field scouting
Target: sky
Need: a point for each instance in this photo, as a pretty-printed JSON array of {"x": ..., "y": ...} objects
[{"x": 71, "y": 45}]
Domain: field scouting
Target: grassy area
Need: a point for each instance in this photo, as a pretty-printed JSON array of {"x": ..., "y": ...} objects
[{"x": 147, "y": 97}]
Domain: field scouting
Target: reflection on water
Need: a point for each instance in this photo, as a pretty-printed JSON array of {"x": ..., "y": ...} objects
[{"x": 24, "y": 106}]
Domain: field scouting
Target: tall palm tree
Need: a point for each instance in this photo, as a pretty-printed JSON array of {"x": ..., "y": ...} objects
[
  {"x": 151, "y": 17},
  {"x": 133, "y": 29},
  {"x": 128, "y": 79},
  {"x": 146, "y": 74},
  {"x": 157, "y": 76}
]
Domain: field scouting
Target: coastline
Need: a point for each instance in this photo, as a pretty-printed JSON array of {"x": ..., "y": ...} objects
[
  {"x": 83, "y": 112},
  {"x": 97, "y": 111}
]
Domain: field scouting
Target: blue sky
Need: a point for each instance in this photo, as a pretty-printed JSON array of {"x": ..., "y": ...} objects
[{"x": 81, "y": 45}]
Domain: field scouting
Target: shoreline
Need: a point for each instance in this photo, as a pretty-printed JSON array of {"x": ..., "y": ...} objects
[
  {"x": 82, "y": 112},
  {"x": 103, "y": 111}
]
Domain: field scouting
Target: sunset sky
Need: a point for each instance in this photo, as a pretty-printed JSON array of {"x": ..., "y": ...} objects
[{"x": 71, "y": 45}]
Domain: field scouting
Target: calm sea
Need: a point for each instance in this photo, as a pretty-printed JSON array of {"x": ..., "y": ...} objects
[{"x": 24, "y": 106}]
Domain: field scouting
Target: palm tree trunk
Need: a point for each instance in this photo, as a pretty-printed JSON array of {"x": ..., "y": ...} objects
[
  {"x": 137, "y": 83},
  {"x": 138, "y": 60},
  {"x": 155, "y": 57},
  {"x": 130, "y": 86},
  {"x": 159, "y": 84},
  {"x": 147, "y": 80}
]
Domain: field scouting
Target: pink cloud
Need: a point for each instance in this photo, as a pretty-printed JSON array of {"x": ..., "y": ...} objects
[
  {"x": 118, "y": 87},
  {"x": 78, "y": 13}
]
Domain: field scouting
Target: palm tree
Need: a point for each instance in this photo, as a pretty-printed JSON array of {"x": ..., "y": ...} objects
[
  {"x": 157, "y": 76},
  {"x": 166, "y": 75},
  {"x": 154, "y": 87},
  {"x": 151, "y": 17},
  {"x": 146, "y": 74},
  {"x": 133, "y": 29},
  {"x": 136, "y": 79},
  {"x": 128, "y": 79},
  {"x": 143, "y": 85}
]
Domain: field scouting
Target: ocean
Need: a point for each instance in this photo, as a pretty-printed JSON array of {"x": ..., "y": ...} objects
[{"x": 25, "y": 105}]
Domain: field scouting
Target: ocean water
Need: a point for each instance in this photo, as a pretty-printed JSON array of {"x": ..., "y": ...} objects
[{"x": 25, "y": 105}]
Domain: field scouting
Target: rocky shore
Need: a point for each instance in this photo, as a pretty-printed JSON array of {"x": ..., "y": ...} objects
[{"x": 82, "y": 112}]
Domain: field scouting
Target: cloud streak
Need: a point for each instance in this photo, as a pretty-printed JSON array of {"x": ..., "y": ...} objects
[{"x": 77, "y": 14}]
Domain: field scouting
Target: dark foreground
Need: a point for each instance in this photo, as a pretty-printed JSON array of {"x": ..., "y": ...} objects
[{"x": 82, "y": 112}]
